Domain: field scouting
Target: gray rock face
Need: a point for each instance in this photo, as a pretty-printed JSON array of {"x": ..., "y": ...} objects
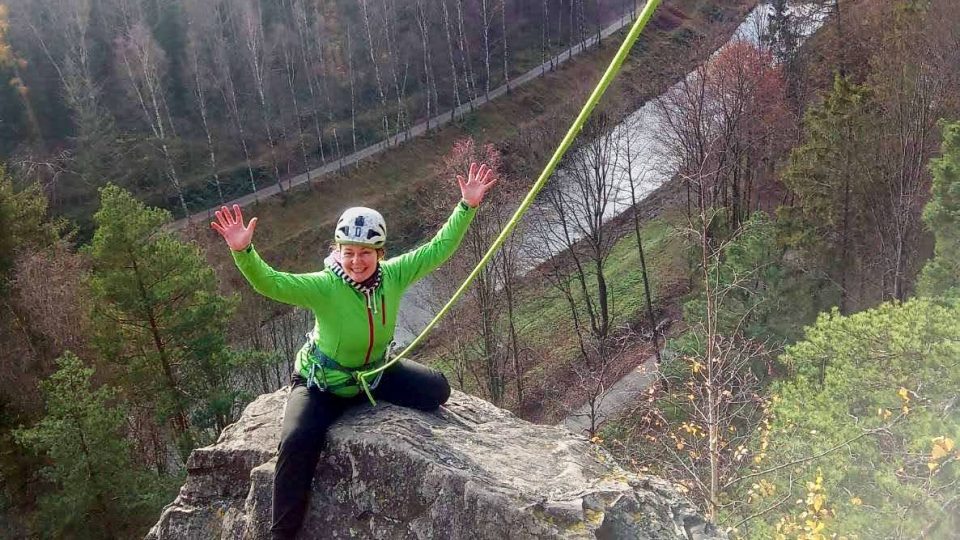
[{"x": 469, "y": 470}]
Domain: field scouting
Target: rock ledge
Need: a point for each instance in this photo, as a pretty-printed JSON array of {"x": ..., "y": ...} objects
[{"x": 469, "y": 470}]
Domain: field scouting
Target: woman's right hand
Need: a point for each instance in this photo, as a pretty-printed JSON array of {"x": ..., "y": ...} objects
[{"x": 231, "y": 228}]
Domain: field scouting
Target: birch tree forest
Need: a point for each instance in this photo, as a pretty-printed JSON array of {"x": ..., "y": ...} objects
[{"x": 218, "y": 99}]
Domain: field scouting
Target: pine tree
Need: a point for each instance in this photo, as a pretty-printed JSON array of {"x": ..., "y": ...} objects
[
  {"x": 158, "y": 313},
  {"x": 941, "y": 275},
  {"x": 22, "y": 222},
  {"x": 881, "y": 425},
  {"x": 831, "y": 173},
  {"x": 97, "y": 491}
]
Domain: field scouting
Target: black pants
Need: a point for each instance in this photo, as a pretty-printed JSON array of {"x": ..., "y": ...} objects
[{"x": 308, "y": 415}]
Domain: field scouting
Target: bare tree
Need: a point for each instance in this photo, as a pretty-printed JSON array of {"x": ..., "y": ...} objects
[
  {"x": 321, "y": 78},
  {"x": 506, "y": 51},
  {"x": 497, "y": 348},
  {"x": 199, "y": 26},
  {"x": 486, "y": 19},
  {"x": 62, "y": 31},
  {"x": 912, "y": 88},
  {"x": 732, "y": 110},
  {"x": 545, "y": 51},
  {"x": 636, "y": 172},
  {"x": 376, "y": 69},
  {"x": 353, "y": 94},
  {"x": 716, "y": 389},
  {"x": 453, "y": 64},
  {"x": 580, "y": 206},
  {"x": 143, "y": 63},
  {"x": 308, "y": 59},
  {"x": 228, "y": 90},
  {"x": 508, "y": 274},
  {"x": 290, "y": 70},
  {"x": 400, "y": 90},
  {"x": 703, "y": 448},
  {"x": 258, "y": 60},
  {"x": 573, "y": 223},
  {"x": 430, "y": 84},
  {"x": 465, "y": 57}
]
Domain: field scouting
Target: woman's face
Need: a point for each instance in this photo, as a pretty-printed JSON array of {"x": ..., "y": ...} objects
[{"x": 359, "y": 262}]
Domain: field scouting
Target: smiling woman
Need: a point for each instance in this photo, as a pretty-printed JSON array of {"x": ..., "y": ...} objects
[
  {"x": 359, "y": 262},
  {"x": 355, "y": 300},
  {"x": 360, "y": 236}
]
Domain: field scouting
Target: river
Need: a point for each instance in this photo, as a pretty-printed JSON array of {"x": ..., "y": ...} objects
[{"x": 638, "y": 135}]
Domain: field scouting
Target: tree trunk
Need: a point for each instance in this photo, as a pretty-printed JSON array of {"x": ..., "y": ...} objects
[
  {"x": 427, "y": 61},
  {"x": 545, "y": 38},
  {"x": 651, "y": 320},
  {"x": 453, "y": 64},
  {"x": 713, "y": 394},
  {"x": 376, "y": 70},
  {"x": 138, "y": 39},
  {"x": 353, "y": 94},
  {"x": 290, "y": 70},
  {"x": 229, "y": 94},
  {"x": 307, "y": 58},
  {"x": 465, "y": 55},
  {"x": 486, "y": 19},
  {"x": 202, "y": 105},
  {"x": 399, "y": 90},
  {"x": 252, "y": 27},
  {"x": 506, "y": 56}
]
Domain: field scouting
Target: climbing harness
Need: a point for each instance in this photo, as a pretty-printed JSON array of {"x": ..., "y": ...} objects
[
  {"x": 322, "y": 363},
  {"x": 578, "y": 123}
]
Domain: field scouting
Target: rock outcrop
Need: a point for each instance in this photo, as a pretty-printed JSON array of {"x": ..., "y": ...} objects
[{"x": 469, "y": 470}]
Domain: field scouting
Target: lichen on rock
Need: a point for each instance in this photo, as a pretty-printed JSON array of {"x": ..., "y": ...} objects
[{"x": 468, "y": 470}]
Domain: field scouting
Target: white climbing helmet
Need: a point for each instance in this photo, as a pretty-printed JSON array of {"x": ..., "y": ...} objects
[{"x": 362, "y": 227}]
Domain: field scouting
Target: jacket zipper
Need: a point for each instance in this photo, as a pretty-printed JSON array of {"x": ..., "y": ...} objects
[
  {"x": 383, "y": 312},
  {"x": 370, "y": 326}
]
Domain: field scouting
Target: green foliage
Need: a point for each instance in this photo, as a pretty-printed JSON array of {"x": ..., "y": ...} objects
[
  {"x": 832, "y": 158},
  {"x": 97, "y": 492},
  {"x": 23, "y": 221},
  {"x": 873, "y": 405},
  {"x": 158, "y": 313},
  {"x": 758, "y": 294},
  {"x": 941, "y": 275}
]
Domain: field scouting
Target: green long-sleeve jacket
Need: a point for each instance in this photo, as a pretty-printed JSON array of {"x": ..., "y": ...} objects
[{"x": 347, "y": 329}]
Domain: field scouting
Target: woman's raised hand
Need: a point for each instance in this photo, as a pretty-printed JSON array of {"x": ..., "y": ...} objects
[
  {"x": 479, "y": 180},
  {"x": 231, "y": 228}
]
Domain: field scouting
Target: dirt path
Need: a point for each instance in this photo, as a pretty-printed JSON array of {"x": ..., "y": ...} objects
[
  {"x": 413, "y": 132},
  {"x": 621, "y": 395}
]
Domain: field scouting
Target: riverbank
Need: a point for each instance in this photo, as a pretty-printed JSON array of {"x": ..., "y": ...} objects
[{"x": 553, "y": 388}]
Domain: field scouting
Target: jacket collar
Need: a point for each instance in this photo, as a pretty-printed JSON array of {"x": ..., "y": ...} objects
[{"x": 366, "y": 288}]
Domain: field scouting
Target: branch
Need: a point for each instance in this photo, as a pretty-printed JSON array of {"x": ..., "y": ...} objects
[{"x": 769, "y": 508}]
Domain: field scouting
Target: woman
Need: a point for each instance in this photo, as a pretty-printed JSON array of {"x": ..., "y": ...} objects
[{"x": 355, "y": 299}]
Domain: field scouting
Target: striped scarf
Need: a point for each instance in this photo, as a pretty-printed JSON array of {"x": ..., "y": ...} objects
[{"x": 368, "y": 288}]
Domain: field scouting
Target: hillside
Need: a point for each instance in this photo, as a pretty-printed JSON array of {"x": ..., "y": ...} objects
[{"x": 189, "y": 103}]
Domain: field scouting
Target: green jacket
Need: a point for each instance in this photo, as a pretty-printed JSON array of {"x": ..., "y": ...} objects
[{"x": 347, "y": 329}]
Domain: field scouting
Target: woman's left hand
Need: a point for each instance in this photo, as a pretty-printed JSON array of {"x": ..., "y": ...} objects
[{"x": 479, "y": 180}]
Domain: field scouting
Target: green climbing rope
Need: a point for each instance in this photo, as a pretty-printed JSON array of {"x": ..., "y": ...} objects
[{"x": 572, "y": 133}]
